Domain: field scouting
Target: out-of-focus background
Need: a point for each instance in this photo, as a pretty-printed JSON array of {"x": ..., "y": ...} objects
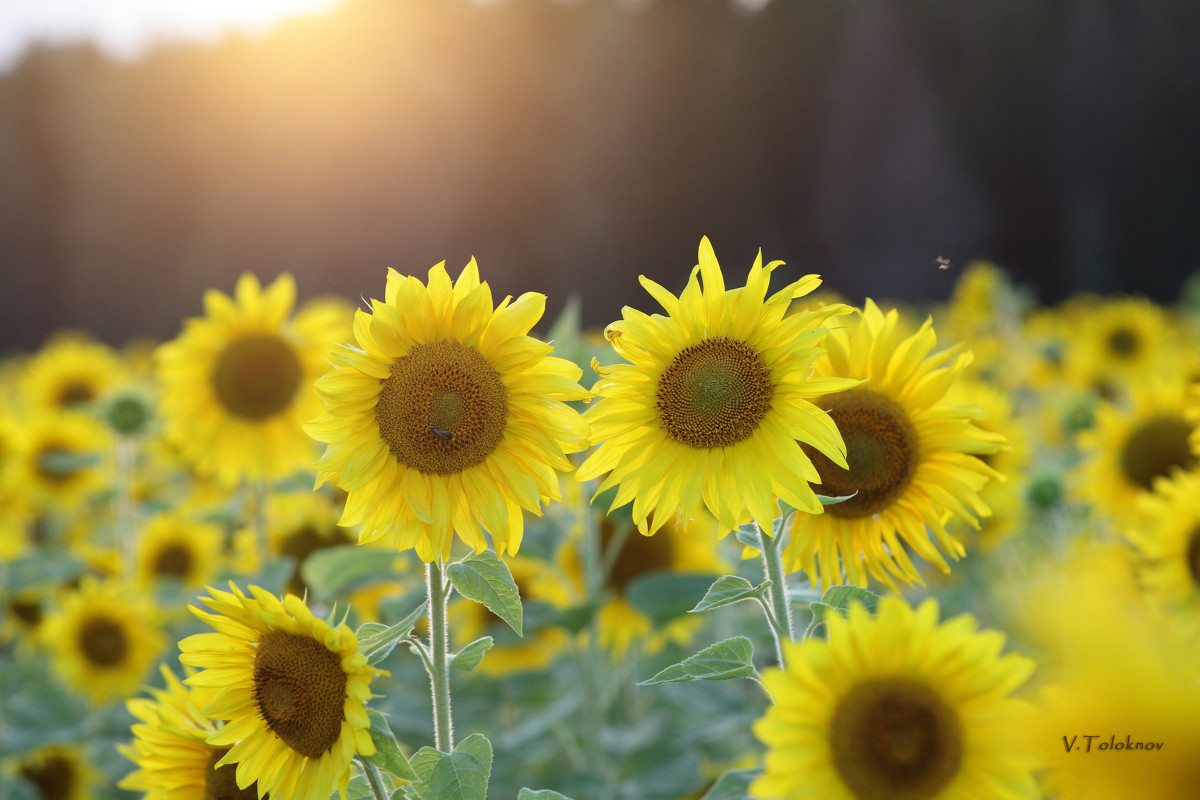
[{"x": 570, "y": 146}]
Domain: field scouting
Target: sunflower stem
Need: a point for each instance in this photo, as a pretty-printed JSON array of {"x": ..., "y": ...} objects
[
  {"x": 781, "y": 624},
  {"x": 439, "y": 675},
  {"x": 126, "y": 456},
  {"x": 373, "y": 778},
  {"x": 260, "y": 492}
]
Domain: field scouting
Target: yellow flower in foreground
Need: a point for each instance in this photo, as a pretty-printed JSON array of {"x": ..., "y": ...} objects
[
  {"x": 713, "y": 402},
  {"x": 447, "y": 417},
  {"x": 912, "y": 457},
  {"x": 292, "y": 688},
  {"x": 174, "y": 760},
  {"x": 237, "y": 382},
  {"x": 896, "y": 707},
  {"x": 103, "y": 639}
]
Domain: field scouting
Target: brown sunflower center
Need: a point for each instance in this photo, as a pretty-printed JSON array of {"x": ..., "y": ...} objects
[
  {"x": 1123, "y": 343},
  {"x": 714, "y": 393},
  {"x": 1193, "y": 555},
  {"x": 54, "y": 777},
  {"x": 256, "y": 376},
  {"x": 173, "y": 561},
  {"x": 300, "y": 690},
  {"x": 103, "y": 641},
  {"x": 74, "y": 393},
  {"x": 639, "y": 555},
  {"x": 29, "y": 612},
  {"x": 1155, "y": 448},
  {"x": 220, "y": 783},
  {"x": 893, "y": 739},
  {"x": 881, "y": 450},
  {"x": 443, "y": 409}
]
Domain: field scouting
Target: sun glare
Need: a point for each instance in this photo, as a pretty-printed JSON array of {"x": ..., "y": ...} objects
[{"x": 125, "y": 29}]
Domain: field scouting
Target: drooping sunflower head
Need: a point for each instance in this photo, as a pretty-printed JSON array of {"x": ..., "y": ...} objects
[
  {"x": 174, "y": 760},
  {"x": 237, "y": 382},
  {"x": 715, "y": 398},
  {"x": 57, "y": 772},
  {"x": 70, "y": 373},
  {"x": 103, "y": 639},
  {"x": 896, "y": 707},
  {"x": 1131, "y": 448},
  {"x": 447, "y": 416},
  {"x": 174, "y": 547},
  {"x": 913, "y": 458},
  {"x": 291, "y": 687}
]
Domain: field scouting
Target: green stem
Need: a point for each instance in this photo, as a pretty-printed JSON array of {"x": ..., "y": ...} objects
[
  {"x": 126, "y": 509},
  {"x": 781, "y": 625},
  {"x": 373, "y": 778},
  {"x": 260, "y": 493},
  {"x": 439, "y": 675}
]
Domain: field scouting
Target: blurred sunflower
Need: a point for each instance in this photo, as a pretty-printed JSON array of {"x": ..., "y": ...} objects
[
  {"x": 1120, "y": 342},
  {"x": 1128, "y": 450},
  {"x": 292, "y": 688},
  {"x": 715, "y": 397},
  {"x": 60, "y": 458},
  {"x": 70, "y": 373},
  {"x": 299, "y": 526},
  {"x": 447, "y": 417},
  {"x": 103, "y": 639},
  {"x": 173, "y": 546},
  {"x": 236, "y": 383},
  {"x": 913, "y": 457},
  {"x": 174, "y": 760},
  {"x": 57, "y": 772},
  {"x": 1167, "y": 542},
  {"x": 897, "y": 707}
]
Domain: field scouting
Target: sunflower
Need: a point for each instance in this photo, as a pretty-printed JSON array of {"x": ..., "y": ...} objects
[
  {"x": 1120, "y": 342},
  {"x": 292, "y": 688},
  {"x": 103, "y": 639},
  {"x": 896, "y": 707},
  {"x": 1168, "y": 547},
  {"x": 447, "y": 417},
  {"x": 299, "y": 526},
  {"x": 70, "y": 373},
  {"x": 716, "y": 396},
  {"x": 175, "y": 762},
  {"x": 235, "y": 383},
  {"x": 57, "y": 772},
  {"x": 60, "y": 458},
  {"x": 913, "y": 457},
  {"x": 173, "y": 546},
  {"x": 1128, "y": 450}
]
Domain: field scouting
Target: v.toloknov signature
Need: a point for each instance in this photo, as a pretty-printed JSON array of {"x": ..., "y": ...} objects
[{"x": 1072, "y": 744}]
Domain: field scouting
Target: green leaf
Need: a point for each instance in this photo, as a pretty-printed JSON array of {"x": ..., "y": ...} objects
[
  {"x": 484, "y": 578},
  {"x": 826, "y": 500},
  {"x": 387, "y": 750},
  {"x": 663, "y": 596},
  {"x": 732, "y": 658},
  {"x": 40, "y": 570},
  {"x": 61, "y": 463},
  {"x": 376, "y": 641},
  {"x": 469, "y": 657},
  {"x": 540, "y": 794},
  {"x": 461, "y": 775},
  {"x": 564, "y": 334},
  {"x": 729, "y": 589},
  {"x": 333, "y": 570},
  {"x": 359, "y": 789},
  {"x": 842, "y": 596},
  {"x": 748, "y": 535},
  {"x": 733, "y": 785}
]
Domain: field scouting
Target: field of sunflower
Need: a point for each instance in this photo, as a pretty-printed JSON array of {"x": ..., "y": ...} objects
[{"x": 752, "y": 542}]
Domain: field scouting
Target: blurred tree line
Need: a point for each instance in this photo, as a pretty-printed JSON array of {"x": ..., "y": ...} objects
[{"x": 570, "y": 146}]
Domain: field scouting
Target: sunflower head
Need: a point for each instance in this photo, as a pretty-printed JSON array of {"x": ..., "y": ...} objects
[
  {"x": 447, "y": 416},
  {"x": 291, "y": 687},
  {"x": 174, "y": 547},
  {"x": 714, "y": 402},
  {"x": 236, "y": 383},
  {"x": 57, "y": 772},
  {"x": 71, "y": 373},
  {"x": 896, "y": 707}
]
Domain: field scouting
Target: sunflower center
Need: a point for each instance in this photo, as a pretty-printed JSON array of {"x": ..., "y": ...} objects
[
  {"x": 55, "y": 777},
  {"x": 881, "y": 450},
  {"x": 893, "y": 739},
  {"x": 300, "y": 690},
  {"x": 639, "y": 555},
  {"x": 1155, "y": 448},
  {"x": 1193, "y": 555},
  {"x": 714, "y": 393},
  {"x": 443, "y": 409},
  {"x": 75, "y": 393},
  {"x": 220, "y": 783},
  {"x": 256, "y": 376},
  {"x": 104, "y": 642},
  {"x": 28, "y": 611},
  {"x": 174, "y": 560},
  {"x": 1123, "y": 343}
]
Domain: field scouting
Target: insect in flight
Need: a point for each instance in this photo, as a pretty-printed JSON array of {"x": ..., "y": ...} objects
[{"x": 943, "y": 263}]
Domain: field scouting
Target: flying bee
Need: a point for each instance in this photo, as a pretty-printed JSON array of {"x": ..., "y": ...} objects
[
  {"x": 441, "y": 433},
  {"x": 943, "y": 263}
]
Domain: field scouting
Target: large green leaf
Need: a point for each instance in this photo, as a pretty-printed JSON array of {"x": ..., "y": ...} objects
[
  {"x": 484, "y": 578},
  {"x": 729, "y": 589},
  {"x": 732, "y": 658},
  {"x": 460, "y": 775}
]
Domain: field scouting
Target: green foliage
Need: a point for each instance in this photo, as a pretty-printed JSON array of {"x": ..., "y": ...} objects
[
  {"x": 484, "y": 578},
  {"x": 376, "y": 640},
  {"x": 836, "y": 600},
  {"x": 335, "y": 570},
  {"x": 387, "y": 750},
  {"x": 663, "y": 596},
  {"x": 733, "y": 785},
  {"x": 540, "y": 794},
  {"x": 469, "y": 657},
  {"x": 730, "y": 589},
  {"x": 732, "y": 658},
  {"x": 460, "y": 775}
]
